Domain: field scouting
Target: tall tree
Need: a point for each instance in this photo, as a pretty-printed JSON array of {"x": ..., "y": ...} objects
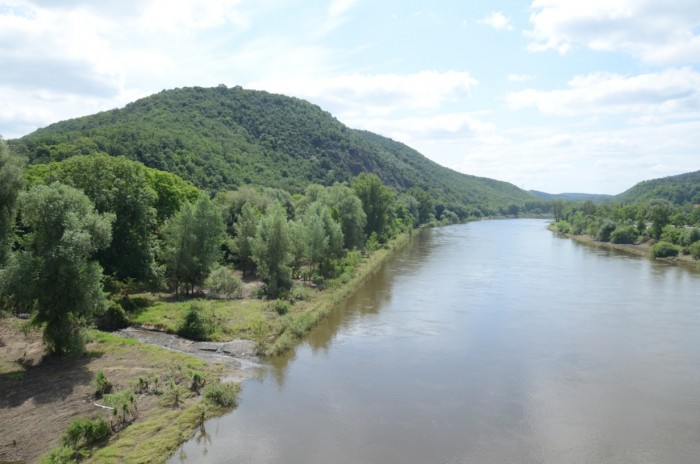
[
  {"x": 192, "y": 243},
  {"x": 55, "y": 275},
  {"x": 426, "y": 205},
  {"x": 348, "y": 207},
  {"x": 271, "y": 251},
  {"x": 246, "y": 226},
  {"x": 376, "y": 200},
  {"x": 11, "y": 183},
  {"x": 115, "y": 185}
]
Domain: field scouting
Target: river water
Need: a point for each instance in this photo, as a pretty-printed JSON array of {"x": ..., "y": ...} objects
[{"x": 489, "y": 342}]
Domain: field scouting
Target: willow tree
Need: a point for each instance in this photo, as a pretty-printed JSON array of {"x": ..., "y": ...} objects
[
  {"x": 54, "y": 275},
  {"x": 271, "y": 251}
]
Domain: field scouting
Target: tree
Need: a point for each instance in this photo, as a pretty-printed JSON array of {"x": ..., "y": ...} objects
[
  {"x": 192, "y": 242},
  {"x": 426, "y": 205},
  {"x": 246, "y": 226},
  {"x": 659, "y": 215},
  {"x": 54, "y": 274},
  {"x": 115, "y": 185},
  {"x": 271, "y": 251},
  {"x": 348, "y": 207},
  {"x": 11, "y": 183},
  {"x": 376, "y": 200}
]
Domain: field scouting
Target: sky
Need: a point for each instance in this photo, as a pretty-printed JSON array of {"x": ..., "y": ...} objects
[{"x": 552, "y": 95}]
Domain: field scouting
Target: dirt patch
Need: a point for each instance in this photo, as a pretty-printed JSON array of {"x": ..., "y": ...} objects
[{"x": 41, "y": 395}]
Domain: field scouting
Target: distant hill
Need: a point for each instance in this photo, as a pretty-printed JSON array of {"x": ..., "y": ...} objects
[
  {"x": 682, "y": 189},
  {"x": 221, "y": 138},
  {"x": 594, "y": 197}
]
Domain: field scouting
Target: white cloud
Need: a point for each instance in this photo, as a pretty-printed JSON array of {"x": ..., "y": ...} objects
[
  {"x": 663, "y": 93},
  {"x": 520, "y": 77},
  {"x": 498, "y": 21},
  {"x": 656, "y": 32},
  {"x": 352, "y": 95}
]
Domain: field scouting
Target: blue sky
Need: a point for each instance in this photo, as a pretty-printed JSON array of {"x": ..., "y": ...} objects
[{"x": 552, "y": 95}]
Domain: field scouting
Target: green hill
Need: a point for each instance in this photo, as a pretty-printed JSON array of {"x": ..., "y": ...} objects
[
  {"x": 594, "y": 197},
  {"x": 683, "y": 189},
  {"x": 222, "y": 138}
]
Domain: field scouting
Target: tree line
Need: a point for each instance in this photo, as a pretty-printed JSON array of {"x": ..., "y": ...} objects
[
  {"x": 74, "y": 233},
  {"x": 675, "y": 229}
]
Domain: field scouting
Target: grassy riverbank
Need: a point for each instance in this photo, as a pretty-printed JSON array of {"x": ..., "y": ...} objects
[{"x": 42, "y": 396}]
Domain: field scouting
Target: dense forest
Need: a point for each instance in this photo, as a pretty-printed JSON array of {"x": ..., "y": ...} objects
[
  {"x": 683, "y": 189},
  {"x": 224, "y": 138}
]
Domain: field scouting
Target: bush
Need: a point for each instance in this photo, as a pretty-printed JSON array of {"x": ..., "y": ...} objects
[
  {"x": 85, "y": 432},
  {"x": 689, "y": 236},
  {"x": 694, "y": 250},
  {"x": 671, "y": 234},
  {"x": 624, "y": 234},
  {"x": 282, "y": 307},
  {"x": 222, "y": 394},
  {"x": 114, "y": 318},
  {"x": 664, "y": 250},
  {"x": 195, "y": 325},
  {"x": 102, "y": 385},
  {"x": 605, "y": 231},
  {"x": 563, "y": 227},
  {"x": 223, "y": 282}
]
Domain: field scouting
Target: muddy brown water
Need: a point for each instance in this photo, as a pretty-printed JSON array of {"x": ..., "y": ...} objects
[{"x": 490, "y": 342}]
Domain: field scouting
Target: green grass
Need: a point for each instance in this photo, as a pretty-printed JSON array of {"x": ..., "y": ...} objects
[{"x": 231, "y": 318}]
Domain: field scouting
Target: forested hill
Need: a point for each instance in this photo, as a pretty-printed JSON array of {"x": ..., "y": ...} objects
[
  {"x": 594, "y": 197},
  {"x": 683, "y": 189},
  {"x": 222, "y": 138}
]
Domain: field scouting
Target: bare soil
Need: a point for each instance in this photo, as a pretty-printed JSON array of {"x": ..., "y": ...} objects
[{"x": 40, "y": 395}]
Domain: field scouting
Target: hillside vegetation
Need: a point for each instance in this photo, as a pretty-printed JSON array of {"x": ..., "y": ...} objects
[
  {"x": 223, "y": 138},
  {"x": 683, "y": 189}
]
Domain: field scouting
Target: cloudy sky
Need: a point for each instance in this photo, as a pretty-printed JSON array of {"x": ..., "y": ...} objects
[{"x": 553, "y": 95}]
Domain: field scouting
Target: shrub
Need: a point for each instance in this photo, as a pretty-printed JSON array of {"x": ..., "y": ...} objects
[
  {"x": 222, "y": 282},
  {"x": 123, "y": 402},
  {"x": 102, "y": 385},
  {"x": 671, "y": 234},
  {"x": 195, "y": 325},
  {"x": 300, "y": 293},
  {"x": 114, "y": 318},
  {"x": 563, "y": 227},
  {"x": 281, "y": 307},
  {"x": 664, "y": 250},
  {"x": 605, "y": 231},
  {"x": 222, "y": 394},
  {"x": 694, "y": 250},
  {"x": 196, "y": 381},
  {"x": 85, "y": 432},
  {"x": 624, "y": 234},
  {"x": 689, "y": 236}
]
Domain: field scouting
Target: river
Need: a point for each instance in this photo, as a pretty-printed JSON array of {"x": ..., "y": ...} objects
[{"x": 488, "y": 342}]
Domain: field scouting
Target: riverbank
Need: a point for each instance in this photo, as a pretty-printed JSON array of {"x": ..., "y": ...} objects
[
  {"x": 42, "y": 396},
  {"x": 638, "y": 249}
]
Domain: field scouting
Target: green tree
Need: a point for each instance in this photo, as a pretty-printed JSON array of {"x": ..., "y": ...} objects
[
  {"x": 426, "y": 205},
  {"x": 271, "y": 251},
  {"x": 115, "y": 185},
  {"x": 11, "y": 183},
  {"x": 54, "y": 275},
  {"x": 192, "y": 243},
  {"x": 246, "y": 226},
  {"x": 376, "y": 201},
  {"x": 659, "y": 215}
]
